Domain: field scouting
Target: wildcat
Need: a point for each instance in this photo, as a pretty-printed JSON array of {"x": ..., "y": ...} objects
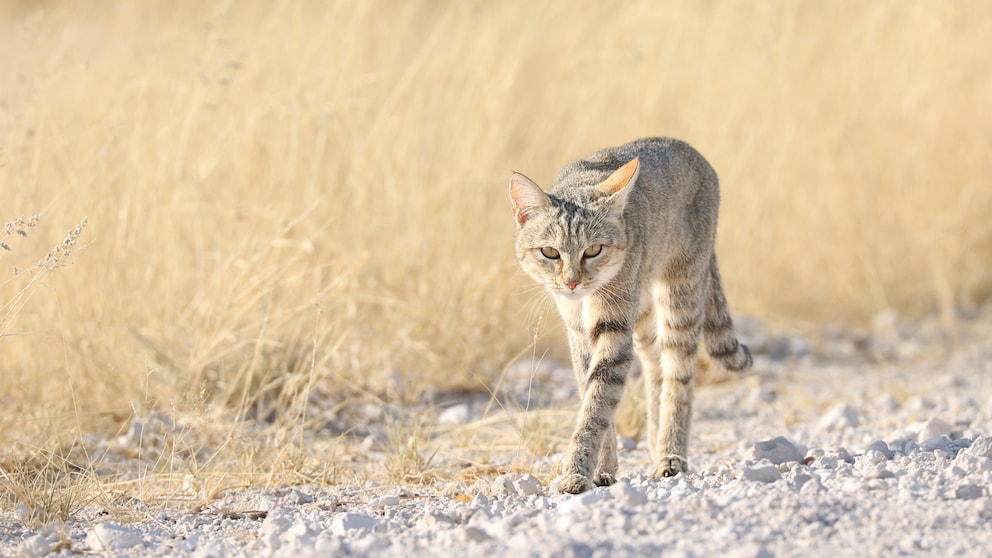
[{"x": 623, "y": 241}]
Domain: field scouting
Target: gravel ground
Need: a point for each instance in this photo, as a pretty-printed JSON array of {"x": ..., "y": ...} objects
[{"x": 874, "y": 443}]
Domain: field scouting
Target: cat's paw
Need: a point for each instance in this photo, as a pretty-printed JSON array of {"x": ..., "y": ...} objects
[
  {"x": 604, "y": 479},
  {"x": 574, "y": 484},
  {"x": 669, "y": 466}
]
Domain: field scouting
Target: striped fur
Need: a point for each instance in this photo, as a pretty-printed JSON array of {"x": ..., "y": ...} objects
[{"x": 624, "y": 242}]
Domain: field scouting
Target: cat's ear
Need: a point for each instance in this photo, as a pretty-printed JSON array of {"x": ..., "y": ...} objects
[
  {"x": 619, "y": 184},
  {"x": 527, "y": 197},
  {"x": 621, "y": 178}
]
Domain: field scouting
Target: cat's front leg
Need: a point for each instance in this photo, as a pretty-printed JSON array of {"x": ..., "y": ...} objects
[
  {"x": 606, "y": 471},
  {"x": 603, "y": 388}
]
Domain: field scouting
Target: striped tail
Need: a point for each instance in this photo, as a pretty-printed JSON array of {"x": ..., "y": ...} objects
[{"x": 718, "y": 329}]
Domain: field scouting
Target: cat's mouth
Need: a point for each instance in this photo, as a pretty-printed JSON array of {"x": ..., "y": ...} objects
[{"x": 571, "y": 294}]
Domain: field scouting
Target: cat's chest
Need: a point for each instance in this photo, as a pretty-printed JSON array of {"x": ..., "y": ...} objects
[{"x": 581, "y": 315}]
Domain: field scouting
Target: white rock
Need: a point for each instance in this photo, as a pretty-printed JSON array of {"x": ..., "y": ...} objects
[
  {"x": 933, "y": 428},
  {"x": 352, "y": 521},
  {"x": 881, "y": 446},
  {"x": 761, "y": 473},
  {"x": 384, "y": 501},
  {"x": 435, "y": 520},
  {"x": 35, "y": 547},
  {"x": 503, "y": 485},
  {"x": 571, "y": 504},
  {"x": 480, "y": 500},
  {"x": 527, "y": 484},
  {"x": 276, "y": 522},
  {"x": 113, "y": 537},
  {"x": 911, "y": 448},
  {"x": 825, "y": 462},
  {"x": 190, "y": 542},
  {"x": 968, "y": 492},
  {"x": 839, "y": 418},
  {"x": 939, "y": 443},
  {"x": 475, "y": 534},
  {"x": 777, "y": 450},
  {"x": 627, "y": 495},
  {"x": 872, "y": 457},
  {"x": 973, "y": 464},
  {"x": 981, "y": 447},
  {"x": 457, "y": 414},
  {"x": 300, "y": 497}
]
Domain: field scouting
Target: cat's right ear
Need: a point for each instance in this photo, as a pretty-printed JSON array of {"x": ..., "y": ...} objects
[{"x": 527, "y": 197}]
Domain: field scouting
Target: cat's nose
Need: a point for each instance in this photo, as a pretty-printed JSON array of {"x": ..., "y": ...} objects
[{"x": 572, "y": 284}]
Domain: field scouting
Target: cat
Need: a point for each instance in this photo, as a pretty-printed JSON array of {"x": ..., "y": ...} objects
[{"x": 623, "y": 241}]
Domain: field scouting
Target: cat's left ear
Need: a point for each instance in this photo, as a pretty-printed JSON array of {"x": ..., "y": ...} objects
[
  {"x": 619, "y": 184},
  {"x": 527, "y": 197}
]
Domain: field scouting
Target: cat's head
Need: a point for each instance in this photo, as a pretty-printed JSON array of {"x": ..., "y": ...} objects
[{"x": 572, "y": 246}]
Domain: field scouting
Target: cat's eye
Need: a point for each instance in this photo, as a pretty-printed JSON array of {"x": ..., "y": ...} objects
[
  {"x": 550, "y": 253},
  {"x": 593, "y": 251}
]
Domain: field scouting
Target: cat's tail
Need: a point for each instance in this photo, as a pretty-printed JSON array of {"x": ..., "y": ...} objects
[{"x": 718, "y": 328}]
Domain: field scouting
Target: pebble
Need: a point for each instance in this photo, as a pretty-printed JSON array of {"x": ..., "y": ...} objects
[
  {"x": 777, "y": 450},
  {"x": 981, "y": 447},
  {"x": 300, "y": 497},
  {"x": 934, "y": 428},
  {"x": 840, "y": 417},
  {"x": 456, "y": 414},
  {"x": 35, "y": 546},
  {"x": 109, "y": 536},
  {"x": 761, "y": 473},
  {"x": 527, "y": 484},
  {"x": 968, "y": 492},
  {"x": 627, "y": 495},
  {"x": 938, "y": 443},
  {"x": 351, "y": 521},
  {"x": 384, "y": 501},
  {"x": 475, "y": 534},
  {"x": 572, "y": 504}
]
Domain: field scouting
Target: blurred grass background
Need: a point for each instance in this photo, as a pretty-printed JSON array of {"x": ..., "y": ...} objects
[{"x": 295, "y": 196}]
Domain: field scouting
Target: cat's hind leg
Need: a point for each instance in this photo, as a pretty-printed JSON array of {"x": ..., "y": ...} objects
[{"x": 680, "y": 308}]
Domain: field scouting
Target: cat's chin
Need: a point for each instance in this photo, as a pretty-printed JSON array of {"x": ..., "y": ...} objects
[{"x": 570, "y": 295}]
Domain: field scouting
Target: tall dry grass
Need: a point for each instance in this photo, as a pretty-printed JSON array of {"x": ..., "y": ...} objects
[{"x": 293, "y": 201}]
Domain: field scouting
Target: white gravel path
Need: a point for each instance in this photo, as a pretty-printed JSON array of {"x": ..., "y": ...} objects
[{"x": 807, "y": 456}]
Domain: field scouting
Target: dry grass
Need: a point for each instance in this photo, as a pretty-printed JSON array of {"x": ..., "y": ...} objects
[{"x": 299, "y": 205}]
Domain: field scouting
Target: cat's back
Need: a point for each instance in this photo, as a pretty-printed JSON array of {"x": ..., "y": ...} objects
[{"x": 665, "y": 163}]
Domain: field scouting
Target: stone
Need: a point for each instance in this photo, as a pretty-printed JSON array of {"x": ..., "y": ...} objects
[
  {"x": 300, "y": 497},
  {"x": 980, "y": 447},
  {"x": 111, "y": 536},
  {"x": 384, "y": 501},
  {"x": 934, "y": 428},
  {"x": 840, "y": 417},
  {"x": 938, "y": 443},
  {"x": 35, "y": 547},
  {"x": 457, "y": 414},
  {"x": 475, "y": 534},
  {"x": 968, "y": 492},
  {"x": 276, "y": 522},
  {"x": 435, "y": 520},
  {"x": 761, "y": 473},
  {"x": 777, "y": 450},
  {"x": 527, "y": 484},
  {"x": 351, "y": 521},
  {"x": 882, "y": 447},
  {"x": 571, "y": 504},
  {"x": 627, "y": 495},
  {"x": 503, "y": 485}
]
